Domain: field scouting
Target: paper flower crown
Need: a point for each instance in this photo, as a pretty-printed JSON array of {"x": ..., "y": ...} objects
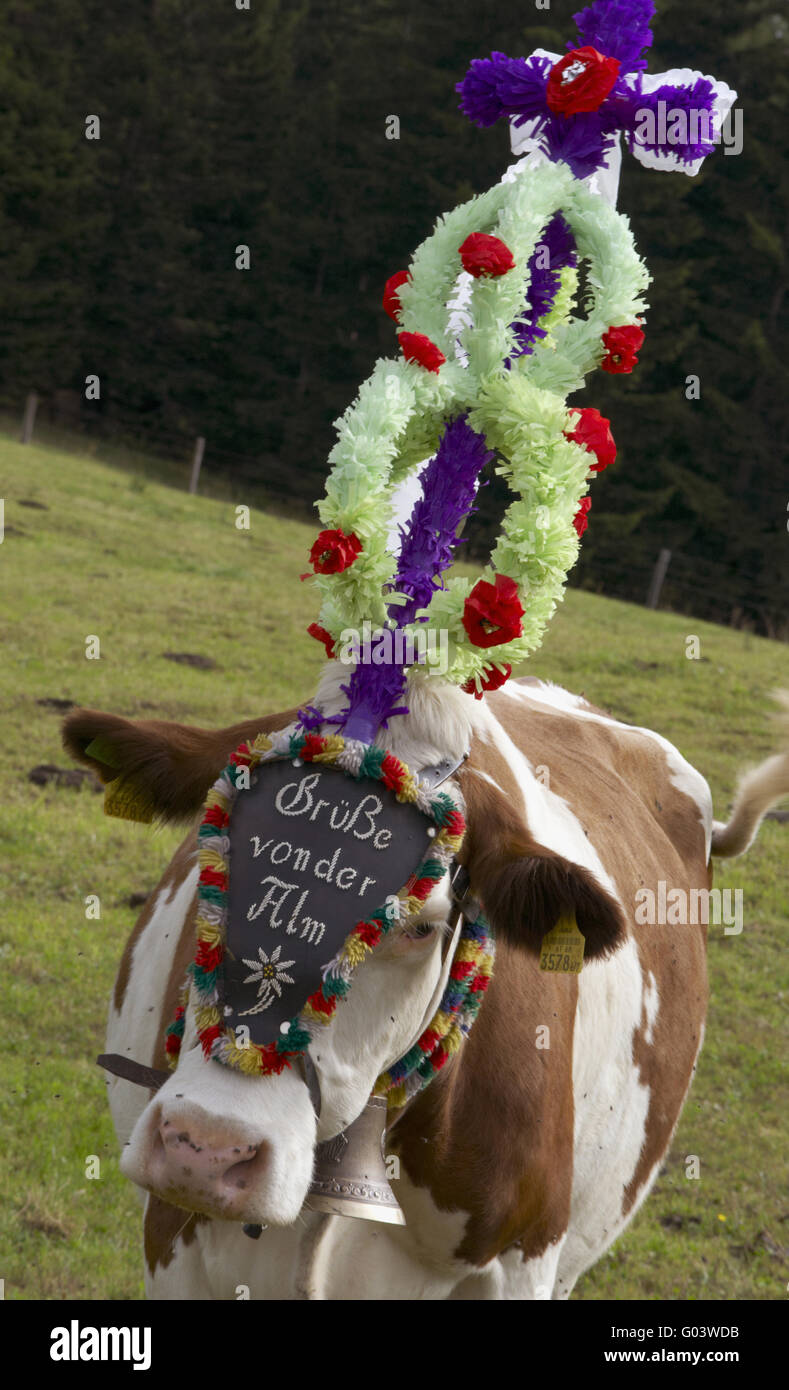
[{"x": 491, "y": 345}]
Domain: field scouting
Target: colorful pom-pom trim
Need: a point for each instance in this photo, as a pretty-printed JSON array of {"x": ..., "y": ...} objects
[
  {"x": 359, "y": 760},
  {"x": 469, "y": 977}
]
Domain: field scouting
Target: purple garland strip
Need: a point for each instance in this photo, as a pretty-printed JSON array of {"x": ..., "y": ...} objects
[
  {"x": 448, "y": 486},
  {"x": 555, "y": 245}
]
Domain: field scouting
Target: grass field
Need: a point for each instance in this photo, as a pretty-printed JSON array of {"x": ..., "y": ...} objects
[{"x": 91, "y": 550}]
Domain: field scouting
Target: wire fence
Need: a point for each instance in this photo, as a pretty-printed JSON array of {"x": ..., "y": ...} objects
[{"x": 727, "y": 592}]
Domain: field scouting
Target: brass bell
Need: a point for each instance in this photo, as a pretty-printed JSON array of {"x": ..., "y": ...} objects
[{"x": 350, "y": 1171}]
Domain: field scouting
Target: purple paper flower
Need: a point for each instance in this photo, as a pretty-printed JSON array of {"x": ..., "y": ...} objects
[
  {"x": 619, "y": 29},
  {"x": 501, "y": 86}
]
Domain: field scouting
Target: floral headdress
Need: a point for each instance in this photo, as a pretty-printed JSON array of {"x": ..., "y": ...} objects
[{"x": 491, "y": 344}]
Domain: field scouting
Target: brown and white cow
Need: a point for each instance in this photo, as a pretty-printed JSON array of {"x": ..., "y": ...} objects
[{"x": 520, "y": 1163}]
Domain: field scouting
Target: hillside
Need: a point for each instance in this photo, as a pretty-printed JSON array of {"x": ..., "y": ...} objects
[{"x": 91, "y": 550}]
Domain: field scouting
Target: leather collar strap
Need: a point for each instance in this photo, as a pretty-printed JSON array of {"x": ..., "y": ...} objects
[{"x": 129, "y": 1070}]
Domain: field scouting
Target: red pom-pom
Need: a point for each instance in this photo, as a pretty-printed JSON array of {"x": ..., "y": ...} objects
[
  {"x": 580, "y": 521},
  {"x": 419, "y": 348},
  {"x": 333, "y": 552},
  {"x": 461, "y": 969},
  {"x": 492, "y": 612},
  {"x": 272, "y": 1062},
  {"x": 391, "y": 299},
  {"x": 593, "y": 432},
  {"x": 208, "y": 1036},
  {"x": 368, "y": 932},
  {"x": 213, "y": 878},
  {"x": 321, "y": 635},
  {"x": 485, "y": 255},
  {"x": 392, "y": 772},
  {"x": 622, "y": 346},
  {"x": 491, "y": 680},
  {"x": 311, "y": 747},
  {"x": 208, "y": 957},
  {"x": 322, "y": 1005},
  {"x": 580, "y": 81}
]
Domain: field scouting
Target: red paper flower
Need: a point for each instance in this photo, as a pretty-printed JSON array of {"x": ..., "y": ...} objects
[
  {"x": 321, "y": 635},
  {"x": 418, "y": 348},
  {"x": 580, "y": 81},
  {"x": 492, "y": 612},
  {"x": 485, "y": 255},
  {"x": 593, "y": 432},
  {"x": 580, "y": 521},
  {"x": 333, "y": 552},
  {"x": 391, "y": 299},
  {"x": 622, "y": 346},
  {"x": 491, "y": 680}
]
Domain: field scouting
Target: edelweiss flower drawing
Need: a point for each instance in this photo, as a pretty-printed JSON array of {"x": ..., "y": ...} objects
[{"x": 269, "y": 974}]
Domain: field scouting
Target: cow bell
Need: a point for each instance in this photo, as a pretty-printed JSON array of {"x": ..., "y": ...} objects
[{"x": 350, "y": 1171}]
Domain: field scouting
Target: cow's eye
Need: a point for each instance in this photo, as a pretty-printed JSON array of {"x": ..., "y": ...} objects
[{"x": 420, "y": 930}]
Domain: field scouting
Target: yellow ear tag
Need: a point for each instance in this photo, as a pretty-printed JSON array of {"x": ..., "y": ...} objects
[
  {"x": 102, "y": 751},
  {"x": 562, "y": 950},
  {"x": 121, "y": 800}
]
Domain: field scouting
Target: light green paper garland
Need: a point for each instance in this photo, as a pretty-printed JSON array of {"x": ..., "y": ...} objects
[{"x": 398, "y": 415}]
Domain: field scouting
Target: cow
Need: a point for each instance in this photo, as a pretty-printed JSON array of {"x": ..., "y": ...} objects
[{"x": 534, "y": 1147}]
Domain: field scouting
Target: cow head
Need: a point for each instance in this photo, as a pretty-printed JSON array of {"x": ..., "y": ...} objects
[{"x": 241, "y": 1147}]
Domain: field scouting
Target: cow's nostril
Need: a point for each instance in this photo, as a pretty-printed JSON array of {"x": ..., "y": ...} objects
[{"x": 241, "y": 1175}]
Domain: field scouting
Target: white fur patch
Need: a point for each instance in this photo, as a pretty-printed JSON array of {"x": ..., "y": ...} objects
[
  {"x": 134, "y": 1031},
  {"x": 682, "y": 774},
  {"x": 611, "y": 1107}
]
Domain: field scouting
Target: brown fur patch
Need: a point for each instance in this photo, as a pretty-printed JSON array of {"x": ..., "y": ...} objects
[
  {"x": 493, "y": 1134},
  {"x": 644, "y": 829},
  {"x": 162, "y": 1227}
]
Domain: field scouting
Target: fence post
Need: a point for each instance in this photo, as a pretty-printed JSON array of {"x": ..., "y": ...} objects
[
  {"x": 29, "y": 417},
  {"x": 197, "y": 461},
  {"x": 658, "y": 575}
]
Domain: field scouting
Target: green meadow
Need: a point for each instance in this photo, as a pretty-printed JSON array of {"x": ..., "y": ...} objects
[{"x": 102, "y": 549}]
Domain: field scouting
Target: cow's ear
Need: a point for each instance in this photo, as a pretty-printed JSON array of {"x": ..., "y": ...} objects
[
  {"x": 153, "y": 769},
  {"x": 525, "y": 889}
]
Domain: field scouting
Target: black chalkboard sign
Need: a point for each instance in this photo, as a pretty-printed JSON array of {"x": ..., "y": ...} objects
[{"x": 312, "y": 852}]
